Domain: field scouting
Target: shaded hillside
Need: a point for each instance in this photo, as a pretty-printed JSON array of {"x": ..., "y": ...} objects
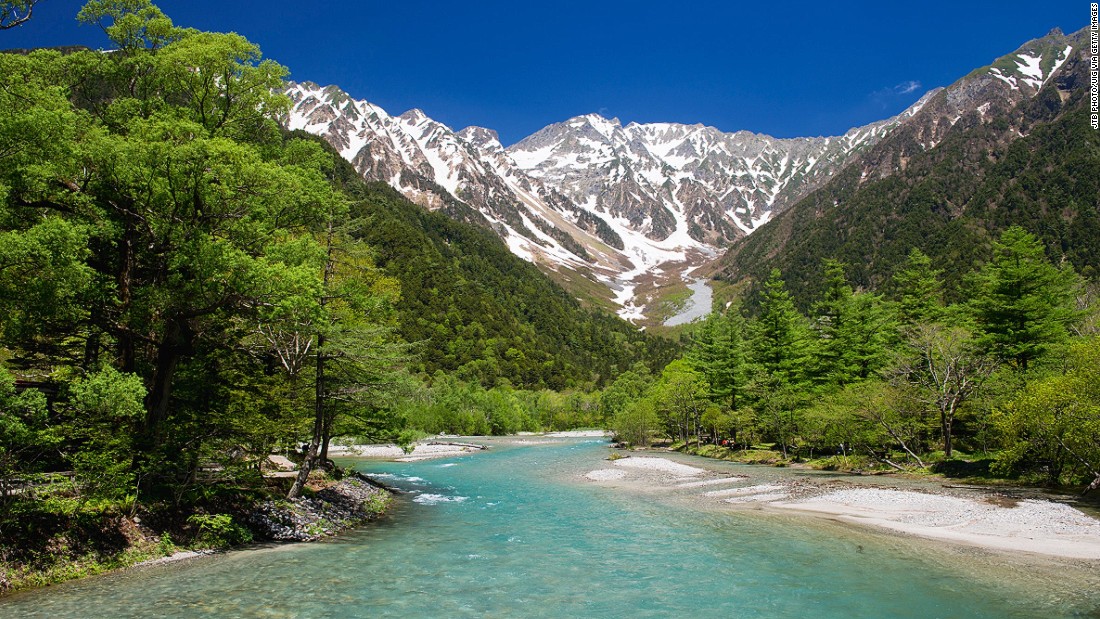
[
  {"x": 1035, "y": 164},
  {"x": 474, "y": 308}
]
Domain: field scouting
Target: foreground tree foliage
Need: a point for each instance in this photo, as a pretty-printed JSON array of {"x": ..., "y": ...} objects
[
  {"x": 945, "y": 369},
  {"x": 186, "y": 287},
  {"x": 1052, "y": 428},
  {"x": 156, "y": 223},
  {"x": 16, "y": 13},
  {"x": 1022, "y": 303}
]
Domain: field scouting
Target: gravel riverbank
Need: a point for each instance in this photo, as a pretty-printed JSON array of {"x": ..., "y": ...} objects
[{"x": 986, "y": 519}]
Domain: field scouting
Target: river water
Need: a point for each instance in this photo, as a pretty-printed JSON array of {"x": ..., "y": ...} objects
[
  {"x": 517, "y": 532},
  {"x": 698, "y": 304}
]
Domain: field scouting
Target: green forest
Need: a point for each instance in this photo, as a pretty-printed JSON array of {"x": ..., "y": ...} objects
[{"x": 1005, "y": 384}]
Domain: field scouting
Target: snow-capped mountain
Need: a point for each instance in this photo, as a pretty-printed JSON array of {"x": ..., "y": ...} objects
[
  {"x": 641, "y": 205},
  {"x": 433, "y": 165},
  {"x": 660, "y": 176},
  {"x": 587, "y": 197},
  {"x": 985, "y": 94}
]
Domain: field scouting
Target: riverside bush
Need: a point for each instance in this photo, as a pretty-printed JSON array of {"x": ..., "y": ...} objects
[{"x": 218, "y": 531}]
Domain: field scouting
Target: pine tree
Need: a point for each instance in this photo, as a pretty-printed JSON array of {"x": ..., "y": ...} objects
[
  {"x": 719, "y": 352},
  {"x": 866, "y": 338},
  {"x": 831, "y": 315},
  {"x": 1022, "y": 303},
  {"x": 780, "y": 336},
  {"x": 918, "y": 290}
]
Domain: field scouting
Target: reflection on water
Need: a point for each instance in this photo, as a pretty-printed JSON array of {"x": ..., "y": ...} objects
[{"x": 530, "y": 538}]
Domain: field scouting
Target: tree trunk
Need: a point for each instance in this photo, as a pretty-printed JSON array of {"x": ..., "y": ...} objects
[
  {"x": 315, "y": 440},
  {"x": 174, "y": 345},
  {"x": 945, "y": 424},
  {"x": 326, "y": 438},
  {"x": 126, "y": 356},
  {"x": 1093, "y": 486},
  {"x": 318, "y": 424}
]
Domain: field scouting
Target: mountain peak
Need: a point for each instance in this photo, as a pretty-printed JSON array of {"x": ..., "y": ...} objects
[
  {"x": 415, "y": 115},
  {"x": 481, "y": 137},
  {"x": 606, "y": 126}
]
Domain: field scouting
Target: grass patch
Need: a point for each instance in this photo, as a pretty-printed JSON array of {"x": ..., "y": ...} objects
[
  {"x": 589, "y": 292},
  {"x": 667, "y": 301}
]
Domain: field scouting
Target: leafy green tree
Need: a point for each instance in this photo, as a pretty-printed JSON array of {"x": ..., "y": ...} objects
[
  {"x": 833, "y": 422},
  {"x": 778, "y": 407},
  {"x": 719, "y": 350},
  {"x": 867, "y": 338},
  {"x": 15, "y": 13},
  {"x": 679, "y": 397},
  {"x": 350, "y": 339},
  {"x": 945, "y": 367},
  {"x": 855, "y": 331},
  {"x": 719, "y": 422},
  {"x": 184, "y": 194},
  {"x": 26, "y": 436},
  {"x": 105, "y": 408},
  {"x": 830, "y": 317},
  {"x": 1022, "y": 303},
  {"x": 898, "y": 416},
  {"x": 1053, "y": 426},
  {"x": 636, "y": 423},
  {"x": 628, "y": 387}
]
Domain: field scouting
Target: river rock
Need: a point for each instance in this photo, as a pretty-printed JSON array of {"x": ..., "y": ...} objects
[{"x": 343, "y": 505}]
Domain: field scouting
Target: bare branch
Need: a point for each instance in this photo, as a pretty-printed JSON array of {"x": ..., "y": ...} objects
[{"x": 13, "y": 14}]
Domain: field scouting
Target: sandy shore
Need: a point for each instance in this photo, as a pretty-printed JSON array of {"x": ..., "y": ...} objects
[
  {"x": 447, "y": 446},
  {"x": 578, "y": 434},
  {"x": 1035, "y": 526},
  {"x": 422, "y": 451},
  {"x": 981, "y": 518}
]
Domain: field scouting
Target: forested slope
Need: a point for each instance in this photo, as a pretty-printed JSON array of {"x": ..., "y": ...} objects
[{"x": 472, "y": 307}]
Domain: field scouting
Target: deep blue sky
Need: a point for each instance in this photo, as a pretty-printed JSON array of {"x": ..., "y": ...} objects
[{"x": 783, "y": 68}]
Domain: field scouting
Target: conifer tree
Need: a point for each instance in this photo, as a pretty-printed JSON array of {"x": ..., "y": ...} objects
[
  {"x": 780, "y": 336},
  {"x": 866, "y": 338},
  {"x": 719, "y": 351},
  {"x": 918, "y": 290},
  {"x": 1022, "y": 303},
  {"x": 831, "y": 316}
]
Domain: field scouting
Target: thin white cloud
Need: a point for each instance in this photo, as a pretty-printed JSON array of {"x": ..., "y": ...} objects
[
  {"x": 907, "y": 87},
  {"x": 888, "y": 96}
]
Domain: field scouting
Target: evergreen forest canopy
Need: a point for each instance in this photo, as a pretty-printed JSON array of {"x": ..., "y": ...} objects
[{"x": 186, "y": 286}]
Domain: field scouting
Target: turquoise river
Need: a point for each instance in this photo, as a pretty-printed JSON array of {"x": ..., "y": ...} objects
[{"x": 517, "y": 532}]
